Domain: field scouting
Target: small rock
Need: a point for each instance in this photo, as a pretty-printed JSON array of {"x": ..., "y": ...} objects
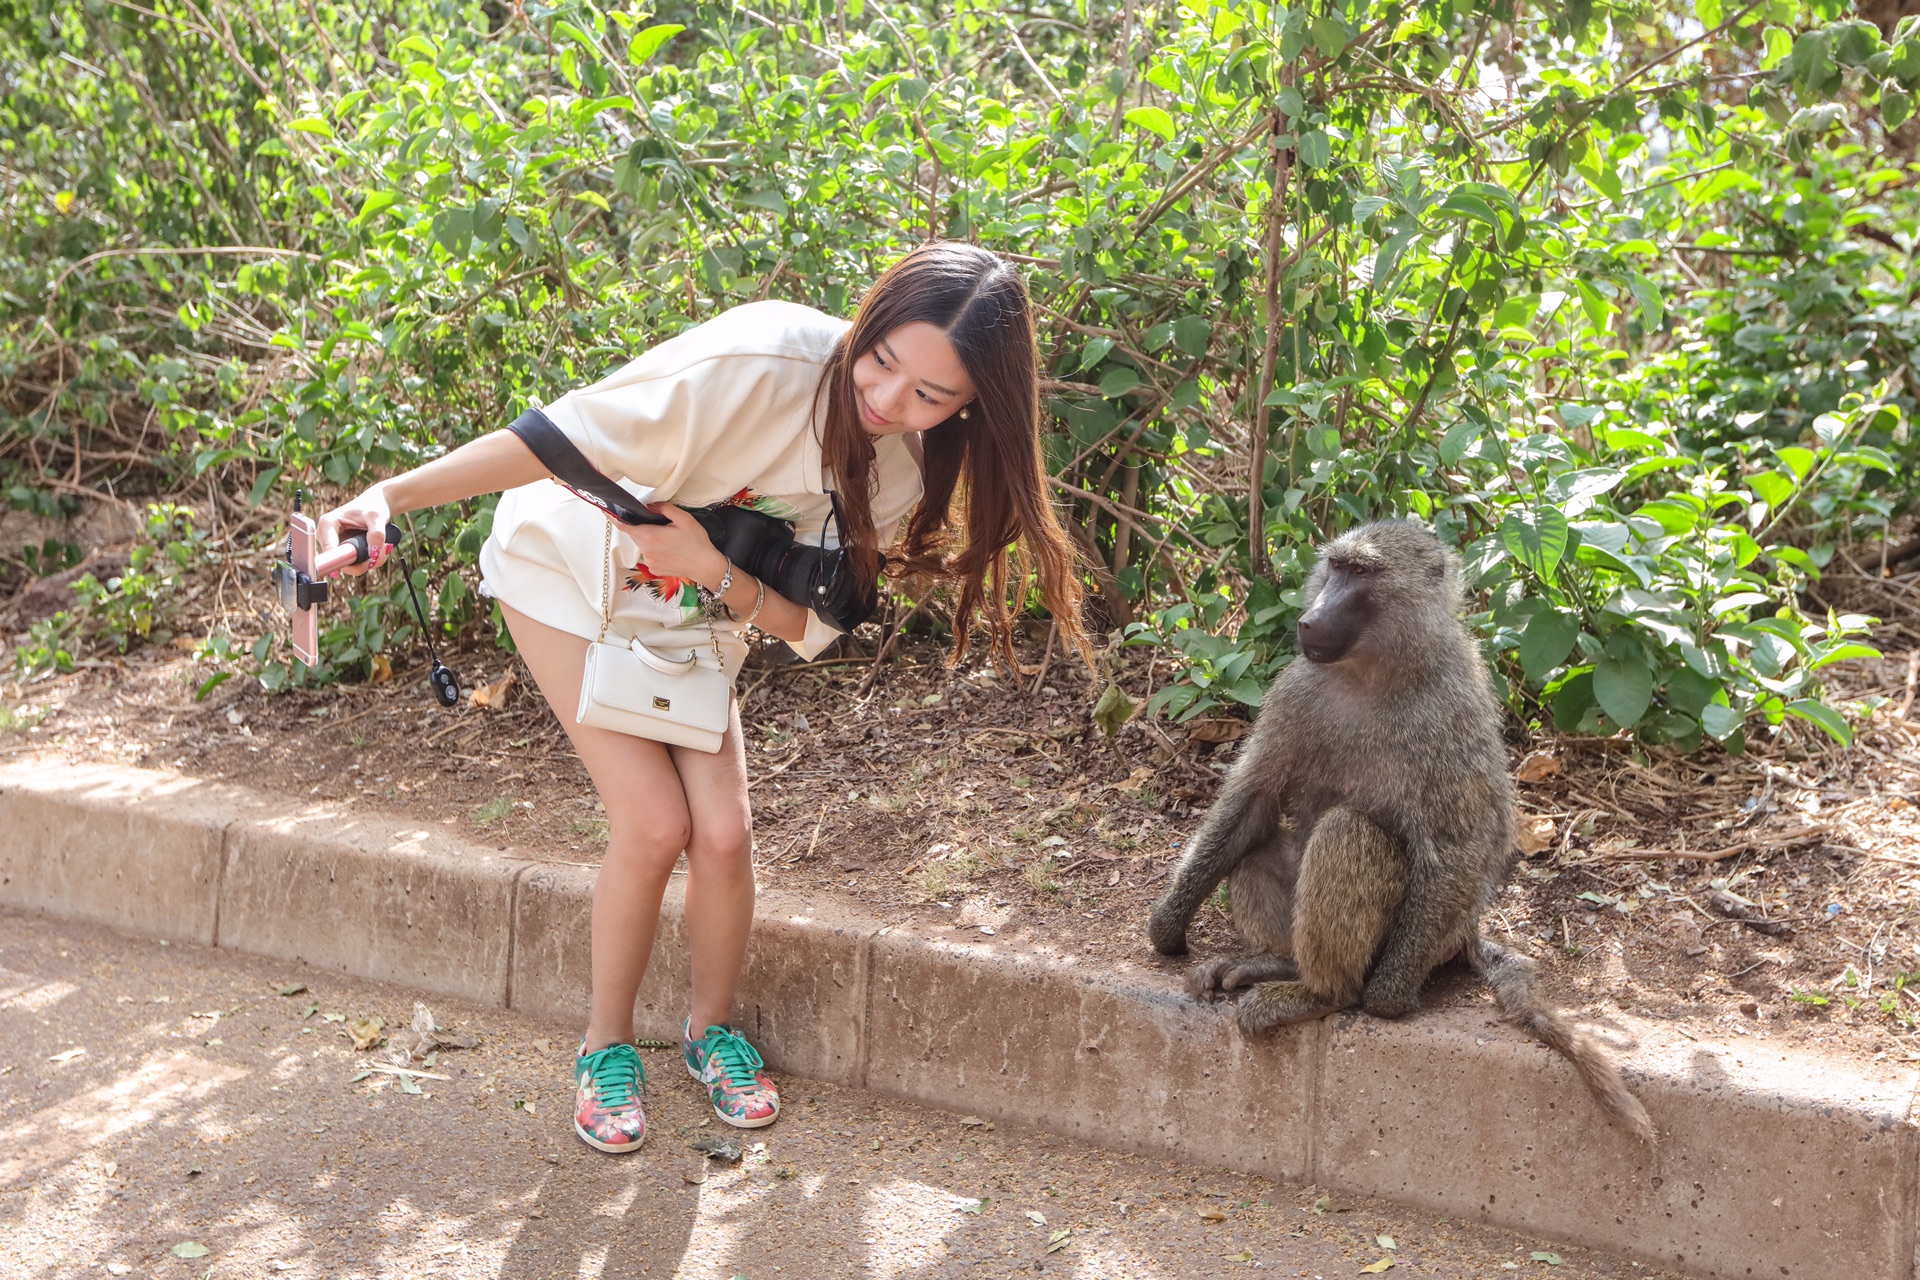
[{"x": 1750, "y": 1008}]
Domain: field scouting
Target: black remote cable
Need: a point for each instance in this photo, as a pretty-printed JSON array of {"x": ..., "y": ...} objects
[{"x": 445, "y": 685}]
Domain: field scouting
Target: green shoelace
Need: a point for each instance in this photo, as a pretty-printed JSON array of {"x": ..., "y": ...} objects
[
  {"x": 616, "y": 1075},
  {"x": 739, "y": 1060}
]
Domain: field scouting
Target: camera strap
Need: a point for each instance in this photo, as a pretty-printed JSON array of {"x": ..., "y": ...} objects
[{"x": 566, "y": 464}]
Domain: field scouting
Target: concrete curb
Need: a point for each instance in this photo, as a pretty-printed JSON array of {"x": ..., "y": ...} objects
[{"x": 1771, "y": 1162}]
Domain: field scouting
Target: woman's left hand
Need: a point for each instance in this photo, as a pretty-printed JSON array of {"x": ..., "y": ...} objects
[{"x": 678, "y": 550}]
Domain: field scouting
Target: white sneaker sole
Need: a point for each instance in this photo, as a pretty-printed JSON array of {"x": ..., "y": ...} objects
[{"x": 608, "y": 1147}]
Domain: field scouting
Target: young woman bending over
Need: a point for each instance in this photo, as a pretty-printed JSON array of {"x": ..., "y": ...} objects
[{"x": 923, "y": 409}]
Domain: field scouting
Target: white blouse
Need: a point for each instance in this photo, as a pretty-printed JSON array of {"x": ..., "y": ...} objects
[{"x": 724, "y": 412}]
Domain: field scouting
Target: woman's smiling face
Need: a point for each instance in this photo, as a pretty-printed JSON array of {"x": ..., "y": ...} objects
[{"x": 911, "y": 380}]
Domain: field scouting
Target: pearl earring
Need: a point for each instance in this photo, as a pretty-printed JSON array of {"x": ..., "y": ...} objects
[{"x": 965, "y": 413}]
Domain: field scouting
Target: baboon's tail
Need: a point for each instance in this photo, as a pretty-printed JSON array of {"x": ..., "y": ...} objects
[{"x": 1514, "y": 980}]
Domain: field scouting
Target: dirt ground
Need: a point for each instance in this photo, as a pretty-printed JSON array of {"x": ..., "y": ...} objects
[
  {"x": 177, "y": 1112},
  {"x": 961, "y": 794}
]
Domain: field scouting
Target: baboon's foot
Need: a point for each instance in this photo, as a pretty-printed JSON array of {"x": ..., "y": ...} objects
[
  {"x": 1275, "y": 1004},
  {"x": 1231, "y": 973}
]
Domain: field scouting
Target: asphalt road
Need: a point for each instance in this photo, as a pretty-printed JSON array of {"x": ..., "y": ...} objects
[{"x": 175, "y": 1111}]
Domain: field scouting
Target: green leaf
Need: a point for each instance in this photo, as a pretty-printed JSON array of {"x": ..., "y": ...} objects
[
  {"x": 1316, "y": 149},
  {"x": 770, "y": 199},
  {"x": 1546, "y": 642},
  {"x": 1329, "y": 35},
  {"x": 374, "y": 203},
  {"x": 453, "y": 228},
  {"x": 1816, "y": 712},
  {"x": 211, "y": 683},
  {"x": 1653, "y": 308},
  {"x": 1114, "y": 709},
  {"x": 1896, "y": 107},
  {"x": 190, "y": 1249},
  {"x": 1095, "y": 352},
  {"x": 1118, "y": 382},
  {"x": 314, "y": 125},
  {"x": 1624, "y": 688},
  {"x": 1152, "y": 119},
  {"x": 647, "y": 41},
  {"x": 1388, "y": 259},
  {"x": 1771, "y": 487},
  {"x": 1536, "y": 539},
  {"x": 1190, "y": 334},
  {"x": 1720, "y": 721},
  {"x": 1840, "y": 653}
]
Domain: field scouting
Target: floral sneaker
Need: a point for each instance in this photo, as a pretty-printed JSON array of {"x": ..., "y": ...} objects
[
  {"x": 606, "y": 1111},
  {"x": 735, "y": 1077}
]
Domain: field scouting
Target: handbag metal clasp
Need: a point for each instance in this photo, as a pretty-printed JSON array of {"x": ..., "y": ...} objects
[{"x": 662, "y": 704}]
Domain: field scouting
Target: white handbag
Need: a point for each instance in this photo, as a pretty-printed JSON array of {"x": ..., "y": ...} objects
[{"x": 629, "y": 688}]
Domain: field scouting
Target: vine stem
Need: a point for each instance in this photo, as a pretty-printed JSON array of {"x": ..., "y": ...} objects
[{"x": 1262, "y": 437}]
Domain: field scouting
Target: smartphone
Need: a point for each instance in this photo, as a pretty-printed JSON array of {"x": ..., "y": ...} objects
[{"x": 305, "y": 623}]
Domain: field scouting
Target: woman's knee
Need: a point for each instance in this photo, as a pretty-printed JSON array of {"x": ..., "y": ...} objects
[
  {"x": 726, "y": 844},
  {"x": 654, "y": 840}
]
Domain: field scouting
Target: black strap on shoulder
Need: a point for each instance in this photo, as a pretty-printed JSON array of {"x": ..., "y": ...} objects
[{"x": 564, "y": 461}]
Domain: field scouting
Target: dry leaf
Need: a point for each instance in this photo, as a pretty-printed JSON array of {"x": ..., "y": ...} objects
[
  {"x": 1239, "y": 1257},
  {"x": 1538, "y": 767},
  {"x": 543, "y": 1045},
  {"x": 1038, "y": 1217},
  {"x": 382, "y": 669},
  {"x": 68, "y": 1056},
  {"x": 1136, "y": 779},
  {"x": 1059, "y": 1240},
  {"x": 695, "y": 1178},
  {"x": 972, "y": 1122},
  {"x": 1212, "y": 1213},
  {"x": 718, "y": 1148},
  {"x": 494, "y": 696},
  {"x": 367, "y": 1032},
  {"x": 1375, "y": 1268},
  {"x": 1536, "y": 835},
  {"x": 1385, "y": 1242},
  {"x": 1218, "y": 731}
]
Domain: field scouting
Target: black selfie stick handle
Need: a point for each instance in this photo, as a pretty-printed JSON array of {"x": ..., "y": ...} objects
[{"x": 359, "y": 542}]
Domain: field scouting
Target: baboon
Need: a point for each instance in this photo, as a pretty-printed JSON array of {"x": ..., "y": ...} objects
[{"x": 1369, "y": 819}]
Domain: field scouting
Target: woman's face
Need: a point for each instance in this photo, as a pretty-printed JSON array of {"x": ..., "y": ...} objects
[{"x": 911, "y": 380}]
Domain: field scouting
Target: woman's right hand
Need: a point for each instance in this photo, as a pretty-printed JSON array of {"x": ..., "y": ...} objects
[{"x": 370, "y": 512}]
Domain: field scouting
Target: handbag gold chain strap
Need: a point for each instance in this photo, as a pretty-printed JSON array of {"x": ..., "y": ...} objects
[{"x": 606, "y": 609}]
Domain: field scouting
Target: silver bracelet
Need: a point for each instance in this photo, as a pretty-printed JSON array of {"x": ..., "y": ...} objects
[
  {"x": 759, "y": 603},
  {"x": 713, "y": 600}
]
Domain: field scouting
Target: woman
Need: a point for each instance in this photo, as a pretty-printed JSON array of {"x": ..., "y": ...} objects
[{"x": 776, "y": 406}]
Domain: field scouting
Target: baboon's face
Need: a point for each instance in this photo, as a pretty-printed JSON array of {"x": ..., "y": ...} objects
[{"x": 1344, "y": 610}]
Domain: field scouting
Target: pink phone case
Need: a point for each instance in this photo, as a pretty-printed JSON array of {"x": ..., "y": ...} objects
[{"x": 306, "y": 622}]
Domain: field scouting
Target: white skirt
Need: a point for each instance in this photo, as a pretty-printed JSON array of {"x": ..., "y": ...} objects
[{"x": 546, "y": 558}]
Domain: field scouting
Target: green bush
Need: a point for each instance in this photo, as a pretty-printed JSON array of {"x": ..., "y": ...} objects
[{"x": 1614, "y": 296}]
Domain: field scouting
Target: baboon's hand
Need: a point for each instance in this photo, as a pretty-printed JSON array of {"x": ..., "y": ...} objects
[{"x": 1167, "y": 929}]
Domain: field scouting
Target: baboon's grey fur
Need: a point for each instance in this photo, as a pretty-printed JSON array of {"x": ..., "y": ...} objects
[{"x": 1369, "y": 819}]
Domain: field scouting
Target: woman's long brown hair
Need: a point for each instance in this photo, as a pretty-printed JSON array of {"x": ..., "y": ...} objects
[{"x": 984, "y": 473}]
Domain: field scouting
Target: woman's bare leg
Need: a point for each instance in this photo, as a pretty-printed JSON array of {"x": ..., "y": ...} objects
[
  {"x": 647, "y": 827},
  {"x": 719, "y": 872}
]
